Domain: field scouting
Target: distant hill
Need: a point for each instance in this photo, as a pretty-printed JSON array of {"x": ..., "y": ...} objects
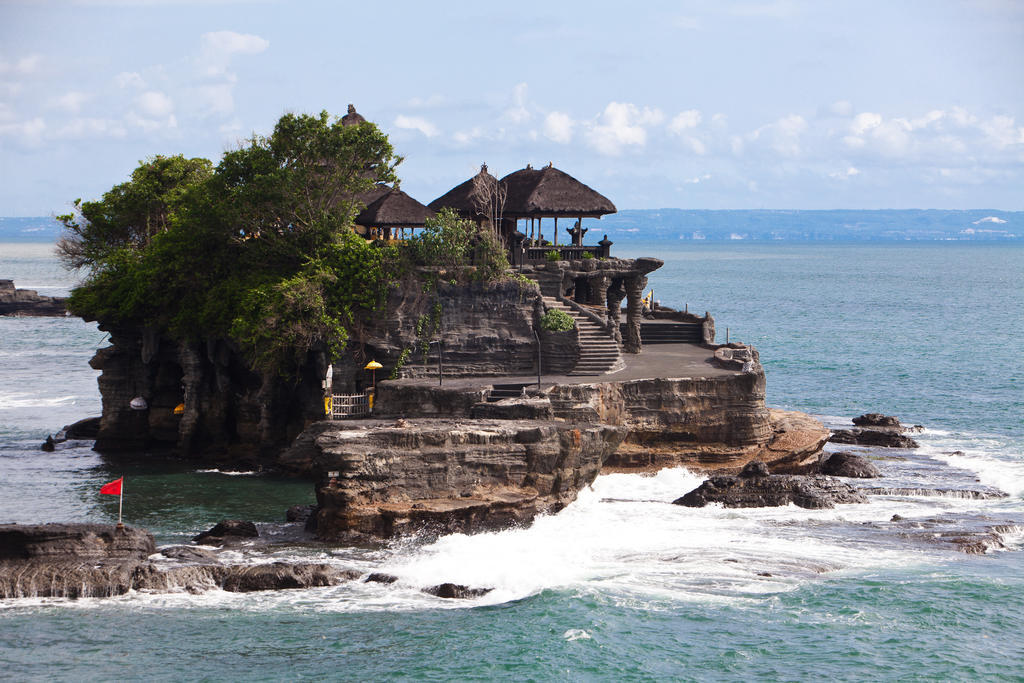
[
  {"x": 753, "y": 225},
  {"x": 844, "y": 224},
  {"x": 32, "y": 229}
]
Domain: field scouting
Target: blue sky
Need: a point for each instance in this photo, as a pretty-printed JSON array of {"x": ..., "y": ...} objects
[{"x": 706, "y": 105}]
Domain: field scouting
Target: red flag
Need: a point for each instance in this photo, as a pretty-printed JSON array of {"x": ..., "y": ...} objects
[{"x": 113, "y": 488}]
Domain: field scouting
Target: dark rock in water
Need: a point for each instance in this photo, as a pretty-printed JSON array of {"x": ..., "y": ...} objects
[
  {"x": 299, "y": 513},
  {"x": 48, "y": 445},
  {"x": 872, "y": 437},
  {"x": 752, "y": 488},
  {"x": 227, "y": 531},
  {"x": 380, "y": 578},
  {"x": 875, "y": 429},
  {"x": 877, "y": 420},
  {"x": 74, "y": 542},
  {"x": 28, "y": 302},
  {"x": 188, "y": 553},
  {"x": 86, "y": 429},
  {"x": 844, "y": 464},
  {"x": 456, "y": 591}
]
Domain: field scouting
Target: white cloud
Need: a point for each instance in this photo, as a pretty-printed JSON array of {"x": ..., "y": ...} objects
[
  {"x": 684, "y": 120},
  {"x": 844, "y": 175},
  {"x": 25, "y": 66},
  {"x": 150, "y": 125},
  {"x": 782, "y": 136},
  {"x": 841, "y": 108},
  {"x": 518, "y": 113},
  {"x": 698, "y": 179},
  {"x": 129, "y": 79},
  {"x": 154, "y": 104},
  {"x": 25, "y": 132},
  {"x": 219, "y": 98},
  {"x": 620, "y": 125},
  {"x": 558, "y": 127},
  {"x": 416, "y": 123},
  {"x": 426, "y": 102},
  {"x": 71, "y": 102},
  {"x": 464, "y": 137},
  {"x": 229, "y": 43},
  {"x": 89, "y": 128},
  {"x": 864, "y": 122}
]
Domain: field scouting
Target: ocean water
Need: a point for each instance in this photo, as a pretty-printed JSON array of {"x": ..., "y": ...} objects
[{"x": 621, "y": 584}]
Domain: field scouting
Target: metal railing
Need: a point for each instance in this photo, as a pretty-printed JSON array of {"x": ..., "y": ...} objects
[
  {"x": 342, "y": 406},
  {"x": 567, "y": 253}
]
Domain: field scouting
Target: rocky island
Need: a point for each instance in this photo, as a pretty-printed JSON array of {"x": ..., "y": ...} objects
[{"x": 445, "y": 367}]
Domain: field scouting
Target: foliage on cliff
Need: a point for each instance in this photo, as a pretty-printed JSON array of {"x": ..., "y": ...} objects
[{"x": 258, "y": 249}]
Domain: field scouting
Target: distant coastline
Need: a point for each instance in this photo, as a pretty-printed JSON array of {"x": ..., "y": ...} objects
[{"x": 752, "y": 225}]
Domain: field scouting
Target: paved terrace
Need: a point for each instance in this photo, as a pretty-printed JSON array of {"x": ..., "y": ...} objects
[{"x": 674, "y": 361}]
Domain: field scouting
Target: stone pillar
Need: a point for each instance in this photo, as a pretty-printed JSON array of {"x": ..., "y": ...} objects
[
  {"x": 599, "y": 289},
  {"x": 615, "y": 294},
  {"x": 634, "y": 311}
]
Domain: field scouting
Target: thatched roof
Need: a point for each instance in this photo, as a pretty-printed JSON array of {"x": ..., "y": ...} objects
[
  {"x": 372, "y": 195},
  {"x": 352, "y": 118},
  {"x": 549, "y": 192},
  {"x": 394, "y": 209},
  {"x": 465, "y": 198}
]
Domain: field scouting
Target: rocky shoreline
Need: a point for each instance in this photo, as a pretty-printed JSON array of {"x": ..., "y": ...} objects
[{"x": 28, "y": 302}]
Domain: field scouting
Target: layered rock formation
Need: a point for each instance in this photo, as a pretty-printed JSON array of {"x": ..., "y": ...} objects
[
  {"x": 875, "y": 429},
  {"x": 378, "y": 479},
  {"x": 28, "y": 302},
  {"x": 94, "y": 560}
]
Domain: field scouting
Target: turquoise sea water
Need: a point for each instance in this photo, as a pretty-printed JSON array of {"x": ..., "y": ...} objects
[{"x": 620, "y": 585}]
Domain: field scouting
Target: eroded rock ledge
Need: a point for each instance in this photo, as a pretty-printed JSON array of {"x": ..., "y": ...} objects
[
  {"x": 383, "y": 478},
  {"x": 28, "y": 302}
]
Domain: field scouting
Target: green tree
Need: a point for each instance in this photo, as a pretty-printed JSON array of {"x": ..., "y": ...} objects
[{"x": 131, "y": 214}]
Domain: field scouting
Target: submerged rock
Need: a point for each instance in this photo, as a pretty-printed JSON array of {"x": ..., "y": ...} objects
[
  {"x": 228, "y": 531},
  {"x": 844, "y": 464},
  {"x": 875, "y": 429},
  {"x": 754, "y": 487},
  {"x": 872, "y": 437},
  {"x": 456, "y": 591}
]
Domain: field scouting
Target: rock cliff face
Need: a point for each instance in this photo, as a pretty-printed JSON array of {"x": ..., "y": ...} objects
[
  {"x": 230, "y": 412},
  {"x": 235, "y": 415},
  {"x": 379, "y": 479}
]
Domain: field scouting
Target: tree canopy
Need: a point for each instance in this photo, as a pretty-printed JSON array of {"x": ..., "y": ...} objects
[{"x": 257, "y": 249}]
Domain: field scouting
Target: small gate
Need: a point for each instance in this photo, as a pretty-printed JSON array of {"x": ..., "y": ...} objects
[{"x": 341, "y": 406}]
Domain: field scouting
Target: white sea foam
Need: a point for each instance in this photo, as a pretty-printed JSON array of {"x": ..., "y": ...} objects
[
  {"x": 228, "y": 472},
  {"x": 31, "y": 400},
  {"x": 1003, "y": 474}
]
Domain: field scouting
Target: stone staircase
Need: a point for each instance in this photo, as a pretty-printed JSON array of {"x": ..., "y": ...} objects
[
  {"x": 599, "y": 353},
  {"x": 502, "y": 391}
]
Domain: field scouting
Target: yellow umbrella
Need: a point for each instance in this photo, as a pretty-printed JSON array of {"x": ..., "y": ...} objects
[{"x": 374, "y": 366}]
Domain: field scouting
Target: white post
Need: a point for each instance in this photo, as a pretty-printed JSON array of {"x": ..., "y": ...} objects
[{"x": 120, "y": 502}]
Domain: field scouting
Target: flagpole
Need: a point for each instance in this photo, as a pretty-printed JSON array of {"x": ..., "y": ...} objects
[{"x": 120, "y": 503}]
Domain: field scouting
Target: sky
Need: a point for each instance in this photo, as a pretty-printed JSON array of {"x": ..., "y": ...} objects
[{"x": 777, "y": 104}]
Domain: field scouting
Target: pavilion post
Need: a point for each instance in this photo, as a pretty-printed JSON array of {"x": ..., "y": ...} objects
[{"x": 556, "y": 231}]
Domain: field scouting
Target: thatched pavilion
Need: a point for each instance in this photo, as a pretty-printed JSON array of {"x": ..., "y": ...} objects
[
  {"x": 536, "y": 194},
  {"x": 473, "y": 198},
  {"x": 391, "y": 211},
  {"x": 352, "y": 118}
]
